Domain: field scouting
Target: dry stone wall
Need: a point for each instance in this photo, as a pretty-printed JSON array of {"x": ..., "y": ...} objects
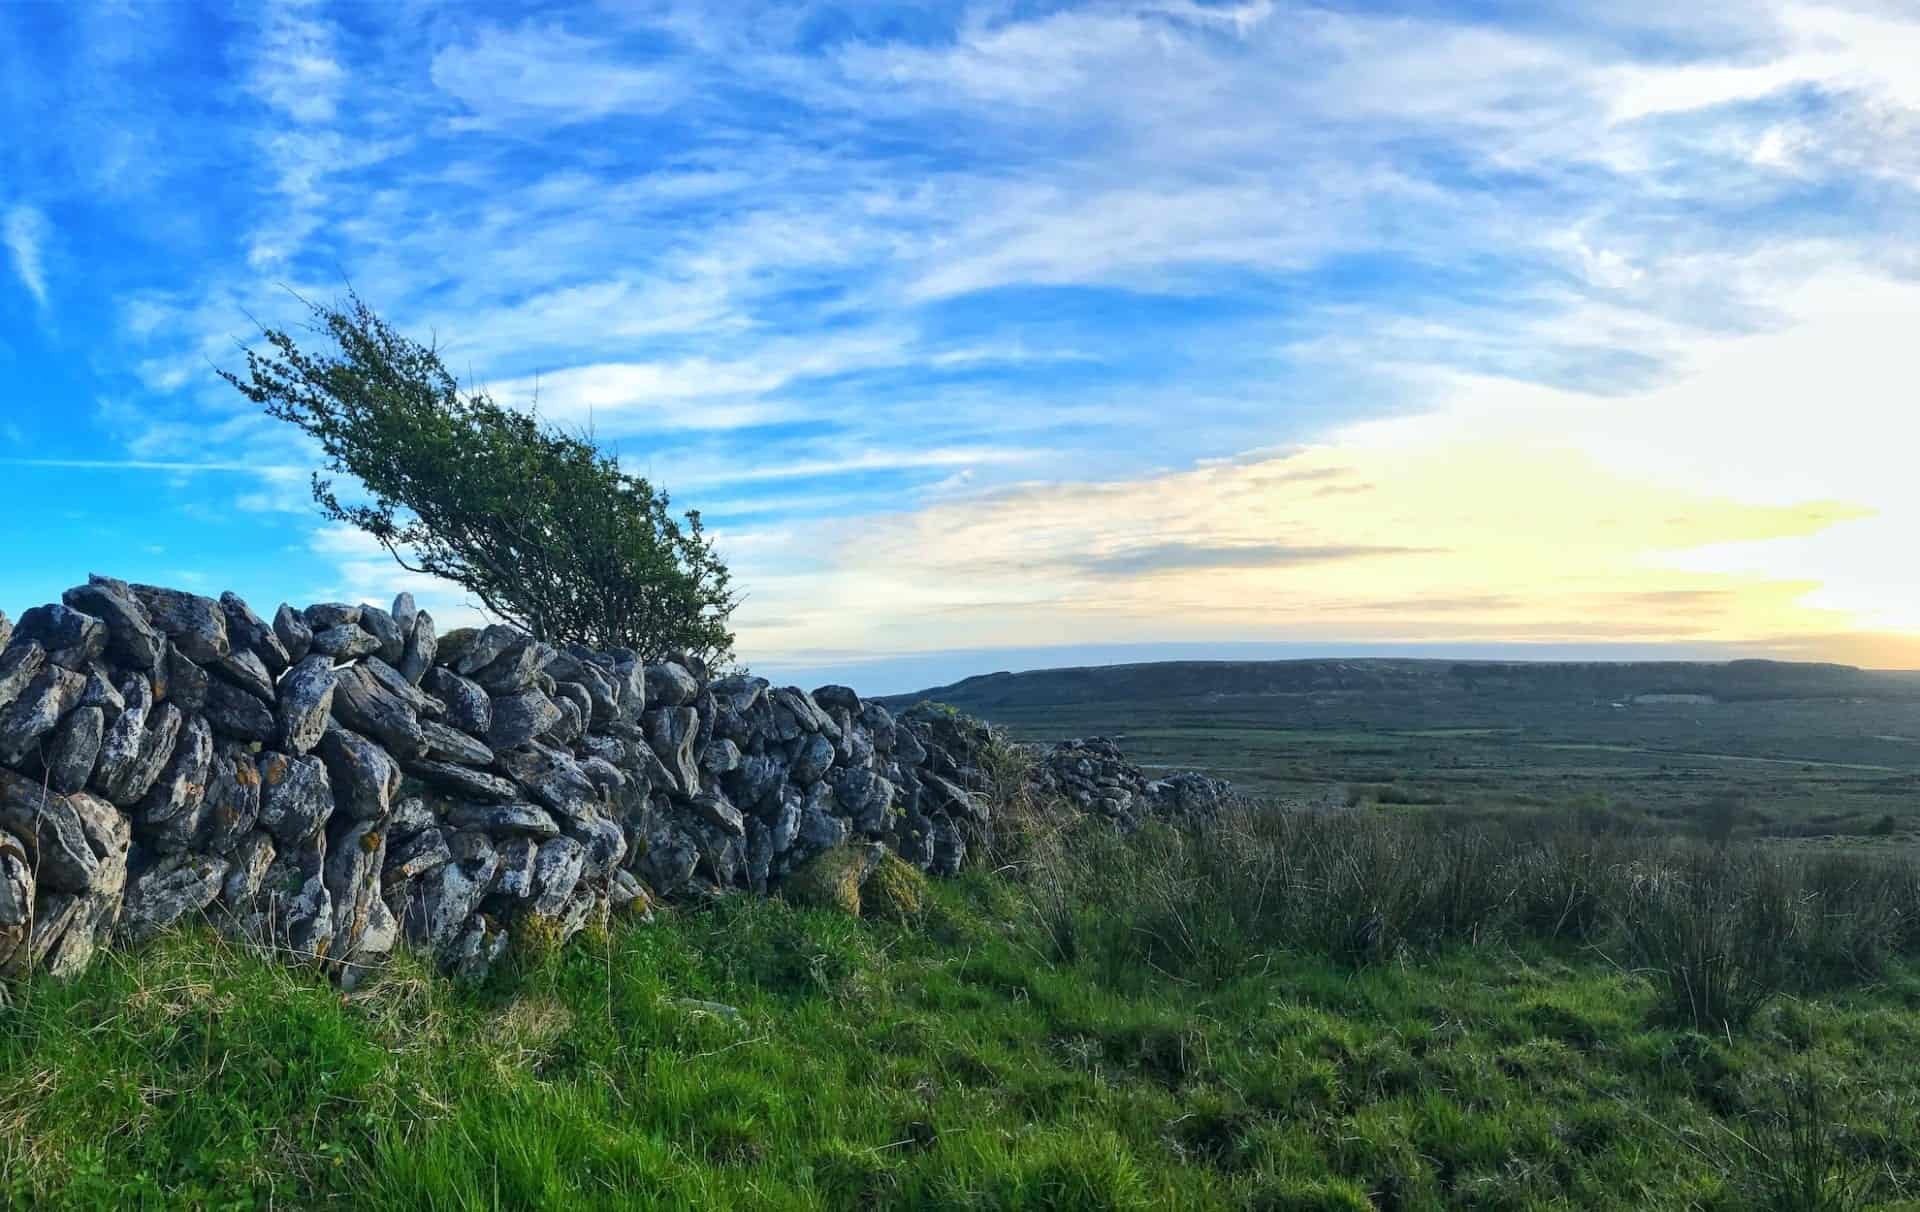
[{"x": 343, "y": 779}]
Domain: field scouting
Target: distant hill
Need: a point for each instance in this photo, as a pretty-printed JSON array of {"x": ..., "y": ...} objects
[{"x": 1608, "y": 681}]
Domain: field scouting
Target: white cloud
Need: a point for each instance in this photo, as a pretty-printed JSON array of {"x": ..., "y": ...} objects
[
  {"x": 26, "y": 232},
  {"x": 545, "y": 73}
]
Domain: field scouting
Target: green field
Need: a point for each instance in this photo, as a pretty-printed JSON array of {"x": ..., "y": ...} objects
[{"x": 1796, "y": 767}]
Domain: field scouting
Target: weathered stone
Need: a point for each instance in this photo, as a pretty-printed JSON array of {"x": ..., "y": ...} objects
[
  {"x": 121, "y": 746},
  {"x": 493, "y": 819},
  {"x": 515, "y": 877},
  {"x": 556, "y": 872},
  {"x": 604, "y": 775},
  {"x": 20, "y": 664},
  {"x": 404, "y": 610},
  {"x": 949, "y": 847},
  {"x": 670, "y": 685},
  {"x": 461, "y": 780},
  {"x": 293, "y": 633},
  {"x": 409, "y": 817},
  {"x": 443, "y": 898},
  {"x": 603, "y": 840},
  {"x": 630, "y": 686},
  {"x": 173, "y": 888},
  {"x": 167, "y": 818},
  {"x": 939, "y": 797},
  {"x": 234, "y": 713},
  {"x": 132, "y": 639},
  {"x": 580, "y": 697},
  {"x": 347, "y": 642},
  {"x": 37, "y": 711},
  {"x": 812, "y": 760},
  {"x": 878, "y": 722},
  {"x": 366, "y": 705},
  {"x": 71, "y": 927},
  {"x": 715, "y": 809},
  {"x": 296, "y": 796},
  {"x": 244, "y": 668},
  {"x": 720, "y": 757},
  {"x": 759, "y": 856},
  {"x": 232, "y": 805},
  {"x": 248, "y": 632},
  {"x": 356, "y": 852},
  {"x": 603, "y": 697},
  {"x": 842, "y": 697},
  {"x": 421, "y": 647},
  {"x": 100, "y": 692},
  {"x": 865, "y": 797},
  {"x": 446, "y": 744},
  {"x": 74, "y": 749},
  {"x": 179, "y": 681},
  {"x": 671, "y": 732},
  {"x": 819, "y": 828},
  {"x": 156, "y": 749},
  {"x": 251, "y": 859},
  {"x": 16, "y": 906},
  {"x": 470, "y": 955},
  {"x": 365, "y": 778},
  {"x": 194, "y": 624},
  {"x": 71, "y": 637},
  {"x": 553, "y": 777},
  {"x": 382, "y": 627},
  {"x": 305, "y": 702},
  {"x": 468, "y": 707},
  {"x": 411, "y": 857},
  {"x": 518, "y": 718},
  {"x": 6, "y": 630},
  {"x": 784, "y": 825},
  {"x": 515, "y": 668},
  {"x": 476, "y": 650},
  {"x": 324, "y": 616}
]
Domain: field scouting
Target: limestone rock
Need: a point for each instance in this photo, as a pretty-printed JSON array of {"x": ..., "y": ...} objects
[
  {"x": 417, "y": 657},
  {"x": 671, "y": 732},
  {"x": 444, "y": 898},
  {"x": 404, "y": 610},
  {"x": 156, "y": 749},
  {"x": 251, "y": 859},
  {"x": 365, "y": 778},
  {"x": 19, "y": 665},
  {"x": 462, "y": 780},
  {"x": 367, "y": 705},
  {"x": 293, "y": 633},
  {"x": 181, "y": 682},
  {"x": 492, "y": 819},
  {"x": 234, "y": 713},
  {"x": 670, "y": 685},
  {"x": 171, "y": 889},
  {"x": 132, "y": 639},
  {"x": 74, "y": 749},
  {"x": 518, "y": 718},
  {"x": 244, "y": 668},
  {"x": 346, "y": 642},
  {"x": 248, "y": 632},
  {"x": 16, "y": 906},
  {"x": 120, "y": 748},
  {"x": 37, "y": 711},
  {"x": 468, "y": 707},
  {"x": 296, "y": 796},
  {"x": 812, "y": 761},
  {"x": 232, "y": 806},
  {"x": 556, "y": 872},
  {"x": 71, "y": 637},
  {"x": 324, "y": 616},
  {"x": 305, "y": 702},
  {"x": 452, "y": 745},
  {"x": 515, "y": 877},
  {"x": 194, "y": 624},
  {"x": 382, "y": 627},
  {"x": 167, "y": 818},
  {"x": 356, "y": 852}
]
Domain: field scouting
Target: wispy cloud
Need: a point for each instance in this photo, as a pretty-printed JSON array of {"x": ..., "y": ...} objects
[{"x": 26, "y": 232}]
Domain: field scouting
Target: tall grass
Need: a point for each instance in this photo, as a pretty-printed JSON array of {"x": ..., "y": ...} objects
[{"x": 1716, "y": 929}]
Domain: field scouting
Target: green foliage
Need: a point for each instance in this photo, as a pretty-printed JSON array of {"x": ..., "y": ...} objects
[
  {"x": 895, "y": 892},
  {"x": 541, "y": 526},
  {"x": 830, "y": 880}
]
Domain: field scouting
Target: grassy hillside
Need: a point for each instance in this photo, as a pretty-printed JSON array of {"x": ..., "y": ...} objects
[
  {"x": 1784, "y": 750},
  {"x": 1305, "y": 1013}
]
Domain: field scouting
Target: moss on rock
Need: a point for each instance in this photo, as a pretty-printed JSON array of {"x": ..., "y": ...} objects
[
  {"x": 896, "y": 891},
  {"x": 832, "y": 879}
]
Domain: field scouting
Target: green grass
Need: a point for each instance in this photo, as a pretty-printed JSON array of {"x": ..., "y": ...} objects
[{"x": 955, "y": 1063}]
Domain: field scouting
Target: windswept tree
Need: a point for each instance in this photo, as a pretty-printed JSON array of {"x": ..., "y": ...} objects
[{"x": 540, "y": 525}]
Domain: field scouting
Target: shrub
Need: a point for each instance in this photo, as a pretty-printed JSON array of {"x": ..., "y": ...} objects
[{"x": 542, "y": 527}]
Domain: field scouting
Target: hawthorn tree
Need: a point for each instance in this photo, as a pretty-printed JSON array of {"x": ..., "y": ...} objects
[{"x": 540, "y": 525}]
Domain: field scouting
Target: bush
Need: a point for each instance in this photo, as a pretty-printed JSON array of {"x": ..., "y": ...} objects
[{"x": 541, "y": 526}]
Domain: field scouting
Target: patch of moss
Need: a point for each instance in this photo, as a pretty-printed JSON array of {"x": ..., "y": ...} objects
[
  {"x": 829, "y": 880},
  {"x": 895, "y": 892}
]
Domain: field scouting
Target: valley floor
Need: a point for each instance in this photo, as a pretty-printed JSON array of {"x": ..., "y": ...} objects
[{"x": 955, "y": 1063}]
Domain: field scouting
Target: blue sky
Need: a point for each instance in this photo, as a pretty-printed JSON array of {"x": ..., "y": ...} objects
[{"x": 976, "y": 329}]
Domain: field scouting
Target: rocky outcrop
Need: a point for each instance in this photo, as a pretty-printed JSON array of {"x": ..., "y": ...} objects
[
  {"x": 343, "y": 780},
  {"x": 1096, "y": 777}
]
